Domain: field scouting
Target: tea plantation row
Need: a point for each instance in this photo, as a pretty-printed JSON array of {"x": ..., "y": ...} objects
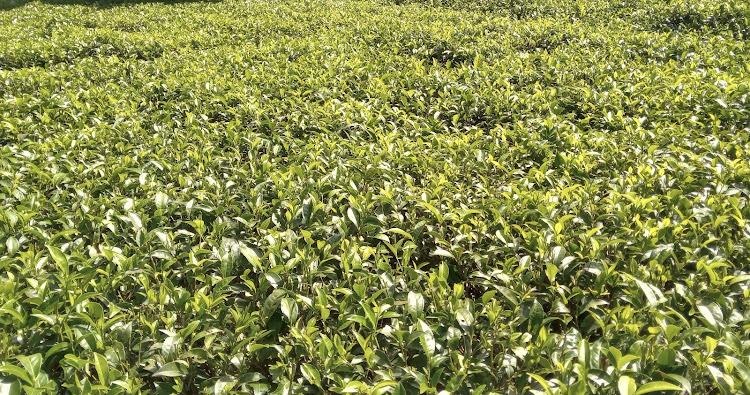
[{"x": 528, "y": 196}]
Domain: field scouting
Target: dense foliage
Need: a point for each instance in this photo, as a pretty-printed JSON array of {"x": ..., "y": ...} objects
[{"x": 508, "y": 196}]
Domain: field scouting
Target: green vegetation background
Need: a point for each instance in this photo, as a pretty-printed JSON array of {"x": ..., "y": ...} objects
[{"x": 522, "y": 196}]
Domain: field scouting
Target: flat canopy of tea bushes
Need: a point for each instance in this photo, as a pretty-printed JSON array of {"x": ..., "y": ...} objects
[{"x": 375, "y": 196}]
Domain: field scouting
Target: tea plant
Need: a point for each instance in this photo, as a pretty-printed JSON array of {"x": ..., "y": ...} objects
[{"x": 374, "y": 196}]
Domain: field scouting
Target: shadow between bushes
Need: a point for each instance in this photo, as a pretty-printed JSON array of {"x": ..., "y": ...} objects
[{"x": 11, "y": 4}]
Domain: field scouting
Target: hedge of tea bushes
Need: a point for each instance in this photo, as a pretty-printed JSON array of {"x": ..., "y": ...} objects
[{"x": 374, "y": 197}]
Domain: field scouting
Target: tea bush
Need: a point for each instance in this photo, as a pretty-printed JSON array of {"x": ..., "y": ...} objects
[{"x": 374, "y": 196}]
